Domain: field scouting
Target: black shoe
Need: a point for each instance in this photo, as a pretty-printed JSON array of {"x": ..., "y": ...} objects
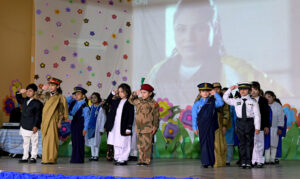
[
  {"x": 23, "y": 161},
  {"x": 117, "y": 163},
  {"x": 254, "y": 165},
  {"x": 205, "y": 166},
  {"x": 267, "y": 163},
  {"x": 227, "y": 164},
  {"x": 243, "y": 166},
  {"x": 146, "y": 164},
  {"x": 139, "y": 164},
  {"x": 259, "y": 165},
  {"x": 272, "y": 163},
  {"x": 277, "y": 161},
  {"x": 49, "y": 163},
  {"x": 248, "y": 166},
  {"x": 96, "y": 159},
  {"x": 123, "y": 163},
  {"x": 91, "y": 159},
  {"x": 238, "y": 162},
  {"x": 32, "y": 160}
]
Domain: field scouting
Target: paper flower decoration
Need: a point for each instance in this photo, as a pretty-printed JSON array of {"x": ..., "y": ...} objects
[
  {"x": 8, "y": 105},
  {"x": 66, "y": 42},
  {"x": 42, "y": 65},
  {"x": 89, "y": 83},
  {"x": 86, "y": 20},
  {"x": 104, "y": 43},
  {"x": 164, "y": 109},
  {"x": 170, "y": 130},
  {"x": 86, "y": 43},
  {"x": 98, "y": 57},
  {"x": 186, "y": 117},
  {"x": 79, "y": 11},
  {"x": 15, "y": 86}
]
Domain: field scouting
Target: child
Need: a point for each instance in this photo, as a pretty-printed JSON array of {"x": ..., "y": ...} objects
[
  {"x": 205, "y": 121},
  {"x": 258, "y": 159},
  {"x": 277, "y": 124},
  {"x": 79, "y": 114},
  {"x": 147, "y": 121},
  {"x": 224, "y": 123},
  {"x": 119, "y": 123},
  {"x": 248, "y": 121},
  {"x": 55, "y": 110},
  {"x": 95, "y": 126},
  {"x": 30, "y": 122}
]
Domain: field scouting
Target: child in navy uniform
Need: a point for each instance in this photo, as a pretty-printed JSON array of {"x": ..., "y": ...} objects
[
  {"x": 248, "y": 121},
  {"x": 30, "y": 122},
  {"x": 79, "y": 114},
  {"x": 205, "y": 121}
]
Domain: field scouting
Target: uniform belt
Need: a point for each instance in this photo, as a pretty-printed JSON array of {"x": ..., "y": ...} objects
[{"x": 248, "y": 118}]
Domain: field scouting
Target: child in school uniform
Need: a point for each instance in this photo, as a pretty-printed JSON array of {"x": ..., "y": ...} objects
[
  {"x": 79, "y": 115},
  {"x": 147, "y": 121},
  {"x": 95, "y": 126},
  {"x": 205, "y": 121},
  {"x": 30, "y": 122},
  {"x": 258, "y": 159},
  {"x": 119, "y": 123},
  {"x": 248, "y": 121},
  {"x": 277, "y": 126}
]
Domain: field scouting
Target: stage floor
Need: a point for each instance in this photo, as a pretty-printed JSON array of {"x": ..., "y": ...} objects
[{"x": 180, "y": 168}]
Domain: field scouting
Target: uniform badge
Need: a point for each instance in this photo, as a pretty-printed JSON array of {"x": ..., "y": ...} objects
[{"x": 238, "y": 103}]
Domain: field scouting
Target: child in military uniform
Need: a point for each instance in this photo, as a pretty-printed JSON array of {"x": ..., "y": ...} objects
[
  {"x": 147, "y": 121},
  {"x": 205, "y": 121}
]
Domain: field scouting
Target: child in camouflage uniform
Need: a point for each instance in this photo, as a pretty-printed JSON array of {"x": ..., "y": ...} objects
[{"x": 147, "y": 121}]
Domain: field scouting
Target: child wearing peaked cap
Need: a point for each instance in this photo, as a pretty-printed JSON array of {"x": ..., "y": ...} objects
[
  {"x": 205, "y": 121},
  {"x": 79, "y": 113},
  {"x": 248, "y": 121},
  {"x": 54, "y": 112},
  {"x": 147, "y": 121}
]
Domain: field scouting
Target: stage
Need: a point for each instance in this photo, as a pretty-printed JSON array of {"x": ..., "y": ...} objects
[{"x": 179, "y": 168}]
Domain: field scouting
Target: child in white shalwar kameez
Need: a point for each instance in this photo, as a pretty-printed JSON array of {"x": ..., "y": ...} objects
[
  {"x": 119, "y": 123},
  {"x": 277, "y": 124},
  {"x": 95, "y": 126}
]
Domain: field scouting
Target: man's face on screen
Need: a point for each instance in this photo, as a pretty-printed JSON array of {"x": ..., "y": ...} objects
[{"x": 191, "y": 33}]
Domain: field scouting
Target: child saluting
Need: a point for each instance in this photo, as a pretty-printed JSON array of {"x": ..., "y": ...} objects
[
  {"x": 147, "y": 121},
  {"x": 205, "y": 121}
]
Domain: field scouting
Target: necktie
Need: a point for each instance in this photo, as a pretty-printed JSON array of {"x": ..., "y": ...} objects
[{"x": 244, "y": 111}]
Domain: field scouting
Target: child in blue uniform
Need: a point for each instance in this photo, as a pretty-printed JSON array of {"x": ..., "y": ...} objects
[
  {"x": 95, "y": 126},
  {"x": 205, "y": 121},
  {"x": 79, "y": 114}
]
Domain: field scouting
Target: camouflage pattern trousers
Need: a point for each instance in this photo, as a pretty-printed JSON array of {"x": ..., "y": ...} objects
[{"x": 144, "y": 144}]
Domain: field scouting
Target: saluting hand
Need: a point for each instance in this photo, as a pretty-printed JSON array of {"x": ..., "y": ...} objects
[
  {"x": 257, "y": 131},
  {"x": 23, "y": 91},
  {"x": 45, "y": 87},
  {"x": 138, "y": 92},
  {"x": 233, "y": 87}
]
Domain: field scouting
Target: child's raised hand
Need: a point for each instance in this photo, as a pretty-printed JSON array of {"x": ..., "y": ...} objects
[
  {"x": 45, "y": 87},
  {"x": 23, "y": 91},
  {"x": 233, "y": 87},
  {"x": 138, "y": 92}
]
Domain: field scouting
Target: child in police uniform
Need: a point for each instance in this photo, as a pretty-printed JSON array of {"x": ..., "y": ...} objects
[
  {"x": 147, "y": 121},
  {"x": 79, "y": 114},
  {"x": 248, "y": 121},
  {"x": 205, "y": 121}
]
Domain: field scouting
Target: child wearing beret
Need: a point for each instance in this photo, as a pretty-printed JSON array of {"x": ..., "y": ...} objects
[
  {"x": 147, "y": 121},
  {"x": 205, "y": 121}
]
